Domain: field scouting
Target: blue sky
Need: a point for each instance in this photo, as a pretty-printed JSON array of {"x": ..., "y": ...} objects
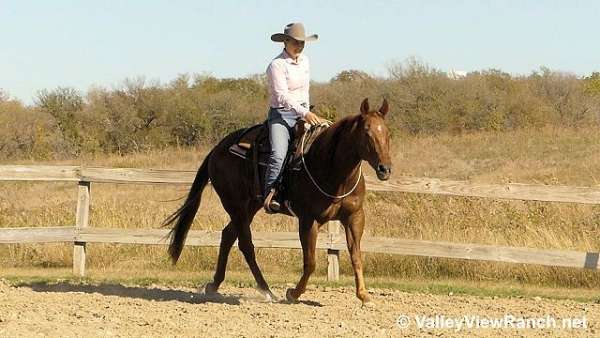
[{"x": 79, "y": 44}]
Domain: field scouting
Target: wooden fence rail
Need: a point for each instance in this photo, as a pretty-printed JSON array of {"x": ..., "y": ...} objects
[{"x": 80, "y": 234}]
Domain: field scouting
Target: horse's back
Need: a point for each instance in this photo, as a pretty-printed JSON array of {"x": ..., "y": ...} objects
[{"x": 231, "y": 176}]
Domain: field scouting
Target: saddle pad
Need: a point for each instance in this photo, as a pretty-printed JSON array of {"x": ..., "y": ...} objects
[{"x": 246, "y": 154}]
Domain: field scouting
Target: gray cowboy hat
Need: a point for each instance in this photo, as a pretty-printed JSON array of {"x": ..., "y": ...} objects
[{"x": 294, "y": 31}]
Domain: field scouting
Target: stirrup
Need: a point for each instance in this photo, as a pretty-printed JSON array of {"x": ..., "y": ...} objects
[{"x": 270, "y": 205}]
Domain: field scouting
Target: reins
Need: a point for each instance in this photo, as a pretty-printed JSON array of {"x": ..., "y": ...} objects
[{"x": 328, "y": 123}]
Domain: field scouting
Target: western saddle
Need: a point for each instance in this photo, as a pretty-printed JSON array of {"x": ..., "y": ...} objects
[{"x": 253, "y": 145}]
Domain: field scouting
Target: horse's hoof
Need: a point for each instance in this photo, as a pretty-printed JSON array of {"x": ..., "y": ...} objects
[
  {"x": 289, "y": 295},
  {"x": 368, "y": 304},
  {"x": 269, "y": 296},
  {"x": 210, "y": 289},
  {"x": 365, "y": 298}
]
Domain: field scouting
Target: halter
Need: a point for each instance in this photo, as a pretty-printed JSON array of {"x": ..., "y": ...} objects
[{"x": 328, "y": 123}]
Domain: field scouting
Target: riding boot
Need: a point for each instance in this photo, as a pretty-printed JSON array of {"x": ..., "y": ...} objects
[{"x": 271, "y": 205}]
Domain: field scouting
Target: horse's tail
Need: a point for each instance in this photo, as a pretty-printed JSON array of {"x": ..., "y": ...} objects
[{"x": 184, "y": 216}]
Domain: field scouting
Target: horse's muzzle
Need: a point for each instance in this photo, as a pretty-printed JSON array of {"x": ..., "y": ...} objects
[{"x": 383, "y": 172}]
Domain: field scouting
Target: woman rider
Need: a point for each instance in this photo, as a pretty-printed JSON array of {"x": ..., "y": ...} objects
[{"x": 289, "y": 79}]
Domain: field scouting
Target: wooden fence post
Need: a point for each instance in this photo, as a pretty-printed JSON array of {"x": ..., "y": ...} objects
[
  {"x": 333, "y": 256},
  {"x": 81, "y": 221}
]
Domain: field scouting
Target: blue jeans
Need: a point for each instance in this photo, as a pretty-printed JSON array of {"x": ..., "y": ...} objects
[{"x": 279, "y": 137}]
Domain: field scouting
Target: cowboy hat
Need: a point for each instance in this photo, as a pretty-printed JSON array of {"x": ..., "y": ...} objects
[{"x": 294, "y": 31}]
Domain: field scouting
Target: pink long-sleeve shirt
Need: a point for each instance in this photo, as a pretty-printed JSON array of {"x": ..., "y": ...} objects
[{"x": 289, "y": 82}]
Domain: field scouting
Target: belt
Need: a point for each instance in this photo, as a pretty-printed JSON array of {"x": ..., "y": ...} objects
[{"x": 303, "y": 104}]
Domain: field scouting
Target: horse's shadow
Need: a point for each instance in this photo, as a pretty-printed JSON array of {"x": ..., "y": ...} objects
[{"x": 153, "y": 294}]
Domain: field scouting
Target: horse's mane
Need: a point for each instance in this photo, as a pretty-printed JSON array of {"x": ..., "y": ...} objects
[{"x": 327, "y": 142}]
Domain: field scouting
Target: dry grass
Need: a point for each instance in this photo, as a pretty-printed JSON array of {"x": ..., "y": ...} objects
[{"x": 549, "y": 156}]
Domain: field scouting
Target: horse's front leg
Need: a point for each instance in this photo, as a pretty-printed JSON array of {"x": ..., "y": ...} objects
[
  {"x": 308, "y": 238},
  {"x": 354, "y": 225}
]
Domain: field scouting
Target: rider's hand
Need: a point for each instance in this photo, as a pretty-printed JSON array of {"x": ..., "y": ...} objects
[{"x": 312, "y": 118}]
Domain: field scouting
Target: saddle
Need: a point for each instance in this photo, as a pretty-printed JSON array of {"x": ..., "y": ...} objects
[
  {"x": 253, "y": 145},
  {"x": 253, "y": 141}
]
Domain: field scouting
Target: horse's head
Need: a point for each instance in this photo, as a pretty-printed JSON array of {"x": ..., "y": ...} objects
[{"x": 374, "y": 139}]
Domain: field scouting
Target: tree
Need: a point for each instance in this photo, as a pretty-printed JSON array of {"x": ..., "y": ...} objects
[
  {"x": 63, "y": 104},
  {"x": 351, "y": 75},
  {"x": 592, "y": 84}
]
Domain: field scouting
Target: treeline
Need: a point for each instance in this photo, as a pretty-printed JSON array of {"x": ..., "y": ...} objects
[{"x": 195, "y": 110}]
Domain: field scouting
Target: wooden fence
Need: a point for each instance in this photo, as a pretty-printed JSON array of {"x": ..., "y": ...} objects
[{"x": 80, "y": 234}]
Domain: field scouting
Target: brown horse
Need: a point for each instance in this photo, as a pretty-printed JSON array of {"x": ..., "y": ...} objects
[{"x": 330, "y": 187}]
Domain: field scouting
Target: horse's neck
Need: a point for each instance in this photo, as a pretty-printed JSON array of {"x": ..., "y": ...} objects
[{"x": 333, "y": 156}]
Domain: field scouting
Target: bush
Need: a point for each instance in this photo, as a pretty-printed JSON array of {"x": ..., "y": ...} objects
[
  {"x": 200, "y": 109},
  {"x": 26, "y": 133}
]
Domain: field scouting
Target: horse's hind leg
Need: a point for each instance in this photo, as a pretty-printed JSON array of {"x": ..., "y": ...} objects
[
  {"x": 247, "y": 247},
  {"x": 228, "y": 237}
]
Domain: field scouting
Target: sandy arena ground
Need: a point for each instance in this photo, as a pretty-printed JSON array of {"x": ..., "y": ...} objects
[{"x": 67, "y": 310}]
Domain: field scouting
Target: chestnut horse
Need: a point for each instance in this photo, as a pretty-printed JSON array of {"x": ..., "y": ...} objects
[{"x": 330, "y": 187}]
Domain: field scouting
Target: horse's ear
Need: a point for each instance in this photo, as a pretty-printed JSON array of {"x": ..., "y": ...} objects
[
  {"x": 384, "y": 108},
  {"x": 364, "y": 106}
]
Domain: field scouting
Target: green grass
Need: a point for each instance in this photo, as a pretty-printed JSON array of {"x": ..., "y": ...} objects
[{"x": 175, "y": 279}]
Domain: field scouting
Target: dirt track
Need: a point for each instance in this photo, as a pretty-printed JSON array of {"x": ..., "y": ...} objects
[{"x": 68, "y": 310}]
